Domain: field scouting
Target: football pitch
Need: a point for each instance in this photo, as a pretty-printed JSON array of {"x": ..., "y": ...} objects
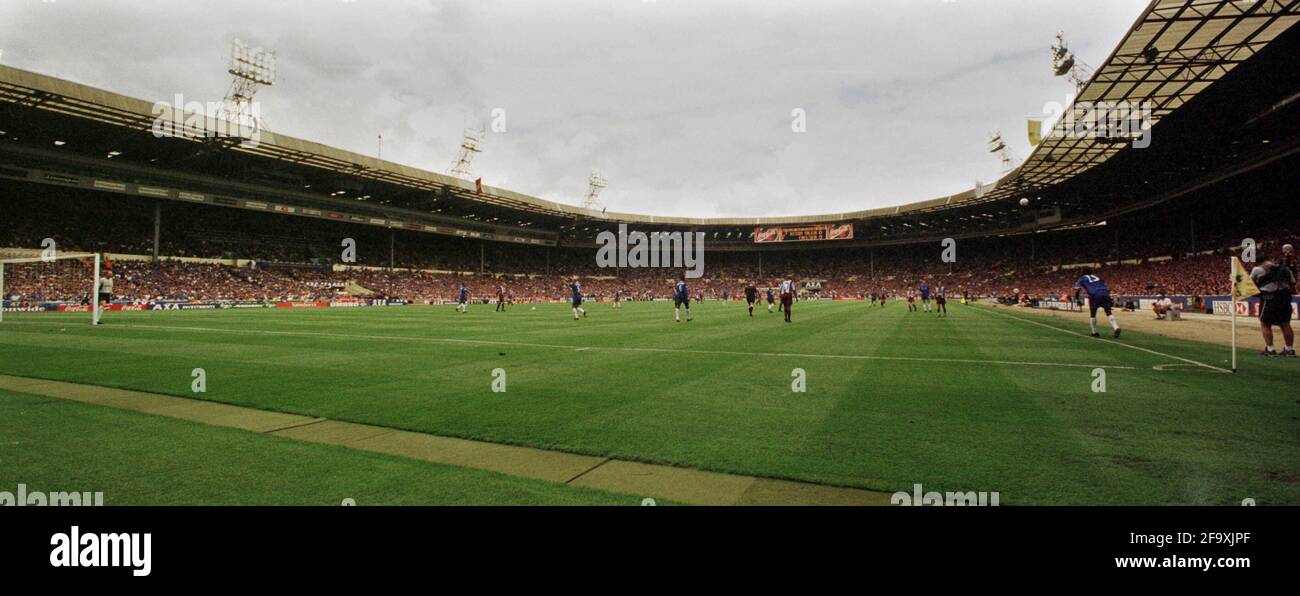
[{"x": 988, "y": 399}]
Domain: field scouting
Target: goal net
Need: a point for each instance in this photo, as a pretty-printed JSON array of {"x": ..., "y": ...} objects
[{"x": 65, "y": 283}]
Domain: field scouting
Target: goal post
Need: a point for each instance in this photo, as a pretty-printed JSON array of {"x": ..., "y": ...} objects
[{"x": 67, "y": 278}]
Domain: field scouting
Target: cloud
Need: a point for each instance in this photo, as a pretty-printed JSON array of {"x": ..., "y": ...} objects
[{"x": 684, "y": 105}]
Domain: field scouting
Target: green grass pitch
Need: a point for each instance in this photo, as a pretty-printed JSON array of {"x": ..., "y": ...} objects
[
  {"x": 139, "y": 459},
  {"x": 986, "y": 400}
]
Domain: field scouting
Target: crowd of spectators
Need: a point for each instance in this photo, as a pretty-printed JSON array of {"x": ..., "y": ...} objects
[
  {"x": 1161, "y": 251},
  {"x": 888, "y": 272}
]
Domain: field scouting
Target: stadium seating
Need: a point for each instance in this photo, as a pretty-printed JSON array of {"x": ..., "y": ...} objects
[{"x": 1141, "y": 255}]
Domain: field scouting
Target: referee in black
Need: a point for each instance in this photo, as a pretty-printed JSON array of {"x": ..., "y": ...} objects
[{"x": 1275, "y": 281}]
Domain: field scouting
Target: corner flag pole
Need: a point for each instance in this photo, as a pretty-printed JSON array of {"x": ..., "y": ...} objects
[
  {"x": 1233, "y": 291},
  {"x": 94, "y": 317}
]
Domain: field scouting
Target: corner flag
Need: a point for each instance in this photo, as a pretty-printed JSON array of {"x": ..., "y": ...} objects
[{"x": 1243, "y": 287}]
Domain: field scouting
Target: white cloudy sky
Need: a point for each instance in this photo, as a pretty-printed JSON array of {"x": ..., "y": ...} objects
[{"x": 685, "y": 105}]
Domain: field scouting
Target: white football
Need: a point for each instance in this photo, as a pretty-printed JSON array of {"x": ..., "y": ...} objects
[{"x": 1024, "y": 202}]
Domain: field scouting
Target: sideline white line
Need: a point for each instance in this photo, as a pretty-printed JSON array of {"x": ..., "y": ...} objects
[
  {"x": 1110, "y": 341},
  {"x": 490, "y": 342}
]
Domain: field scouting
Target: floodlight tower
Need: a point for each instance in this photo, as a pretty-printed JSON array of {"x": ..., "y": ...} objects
[
  {"x": 470, "y": 145},
  {"x": 1066, "y": 64},
  {"x": 251, "y": 69},
  {"x": 595, "y": 183},
  {"x": 999, "y": 148}
]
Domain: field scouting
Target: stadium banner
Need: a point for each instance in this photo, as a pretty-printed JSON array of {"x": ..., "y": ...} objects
[
  {"x": 187, "y": 306},
  {"x": 336, "y": 303},
  {"x": 1222, "y": 305},
  {"x": 809, "y": 233},
  {"x": 15, "y": 306},
  {"x": 126, "y": 307},
  {"x": 35, "y": 308},
  {"x": 1249, "y": 307},
  {"x": 73, "y": 308},
  {"x": 1035, "y": 130},
  {"x": 1059, "y": 305},
  {"x": 302, "y": 304}
]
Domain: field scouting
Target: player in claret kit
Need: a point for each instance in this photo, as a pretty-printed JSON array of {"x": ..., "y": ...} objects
[
  {"x": 681, "y": 297},
  {"x": 911, "y": 300},
  {"x": 618, "y": 298},
  {"x": 1098, "y": 298},
  {"x": 941, "y": 301},
  {"x": 751, "y": 296},
  {"x": 576, "y": 289},
  {"x": 501, "y": 298}
]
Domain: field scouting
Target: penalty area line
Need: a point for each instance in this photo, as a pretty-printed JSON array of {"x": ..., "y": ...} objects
[{"x": 493, "y": 342}]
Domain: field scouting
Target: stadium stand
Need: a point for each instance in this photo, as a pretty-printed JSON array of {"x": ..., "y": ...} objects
[{"x": 265, "y": 257}]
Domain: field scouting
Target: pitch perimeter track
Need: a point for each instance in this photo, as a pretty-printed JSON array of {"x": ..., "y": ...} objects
[{"x": 682, "y": 485}]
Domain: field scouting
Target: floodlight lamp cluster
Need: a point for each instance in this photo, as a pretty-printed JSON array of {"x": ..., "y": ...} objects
[
  {"x": 998, "y": 147},
  {"x": 470, "y": 144},
  {"x": 253, "y": 64},
  {"x": 1066, "y": 64},
  {"x": 595, "y": 183}
]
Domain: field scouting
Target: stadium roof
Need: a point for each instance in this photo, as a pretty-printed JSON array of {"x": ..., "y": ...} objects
[{"x": 1174, "y": 51}]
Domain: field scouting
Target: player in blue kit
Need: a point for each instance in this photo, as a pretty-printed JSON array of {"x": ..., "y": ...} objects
[
  {"x": 771, "y": 299},
  {"x": 681, "y": 297},
  {"x": 462, "y": 303},
  {"x": 1098, "y": 297},
  {"x": 925, "y": 294},
  {"x": 576, "y": 288}
]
